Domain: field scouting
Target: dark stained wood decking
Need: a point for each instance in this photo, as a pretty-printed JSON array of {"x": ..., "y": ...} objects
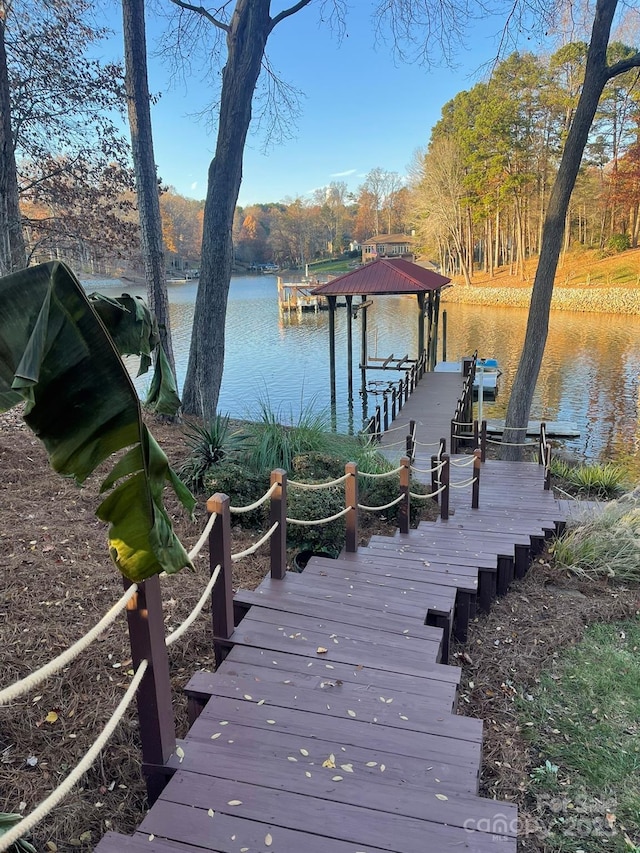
[{"x": 332, "y": 725}]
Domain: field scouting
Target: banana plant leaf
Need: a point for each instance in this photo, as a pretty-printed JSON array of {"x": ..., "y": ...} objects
[
  {"x": 57, "y": 356},
  {"x": 134, "y": 330}
]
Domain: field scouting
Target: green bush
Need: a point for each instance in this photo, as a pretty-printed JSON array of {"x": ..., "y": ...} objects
[
  {"x": 209, "y": 444},
  {"x": 317, "y": 466},
  {"x": 618, "y": 243},
  {"x": 243, "y": 486},
  {"x": 593, "y": 480},
  {"x": 308, "y": 506}
]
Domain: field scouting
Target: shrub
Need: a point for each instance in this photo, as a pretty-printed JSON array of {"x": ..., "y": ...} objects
[
  {"x": 314, "y": 505},
  {"x": 318, "y": 466},
  {"x": 243, "y": 487},
  {"x": 209, "y": 443},
  {"x": 618, "y": 243},
  {"x": 605, "y": 544},
  {"x": 598, "y": 481}
]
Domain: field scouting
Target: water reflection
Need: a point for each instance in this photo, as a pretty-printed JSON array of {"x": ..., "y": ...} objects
[{"x": 589, "y": 374}]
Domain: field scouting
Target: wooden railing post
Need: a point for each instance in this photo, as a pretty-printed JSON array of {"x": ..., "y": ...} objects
[
  {"x": 385, "y": 409},
  {"x": 443, "y": 447},
  {"x": 542, "y": 443},
  {"x": 547, "y": 469},
  {"x": 378, "y": 424},
  {"x": 351, "y": 500},
  {"x": 444, "y": 481},
  {"x": 400, "y": 395},
  {"x": 278, "y": 513},
  {"x": 222, "y": 592},
  {"x": 483, "y": 440},
  {"x": 393, "y": 404},
  {"x": 435, "y": 477},
  {"x": 475, "y": 486},
  {"x": 406, "y": 385},
  {"x": 454, "y": 428},
  {"x": 155, "y": 709},
  {"x": 404, "y": 515},
  {"x": 476, "y": 433}
]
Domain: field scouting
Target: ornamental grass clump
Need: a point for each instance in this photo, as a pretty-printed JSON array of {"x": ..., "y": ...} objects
[
  {"x": 607, "y": 544},
  {"x": 593, "y": 480}
]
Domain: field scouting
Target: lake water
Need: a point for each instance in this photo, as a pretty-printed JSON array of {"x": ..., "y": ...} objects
[{"x": 590, "y": 373}]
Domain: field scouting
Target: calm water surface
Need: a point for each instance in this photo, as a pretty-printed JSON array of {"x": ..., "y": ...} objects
[{"x": 590, "y": 373}]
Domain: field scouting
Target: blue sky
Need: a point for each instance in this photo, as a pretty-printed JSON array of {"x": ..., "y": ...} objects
[{"x": 360, "y": 108}]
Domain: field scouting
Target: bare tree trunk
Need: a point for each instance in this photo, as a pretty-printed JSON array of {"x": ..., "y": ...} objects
[
  {"x": 596, "y": 75},
  {"x": 12, "y": 249},
  {"x": 135, "y": 54},
  {"x": 246, "y": 39}
]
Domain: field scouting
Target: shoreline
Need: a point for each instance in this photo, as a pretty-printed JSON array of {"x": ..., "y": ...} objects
[{"x": 597, "y": 300}]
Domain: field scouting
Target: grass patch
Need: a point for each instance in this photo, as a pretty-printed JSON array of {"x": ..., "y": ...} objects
[
  {"x": 583, "y": 721},
  {"x": 591, "y": 481},
  {"x": 605, "y": 545}
]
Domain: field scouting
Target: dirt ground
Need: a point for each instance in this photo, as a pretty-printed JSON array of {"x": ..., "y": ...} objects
[{"x": 57, "y": 581}]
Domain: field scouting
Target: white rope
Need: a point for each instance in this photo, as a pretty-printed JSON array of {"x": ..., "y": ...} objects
[
  {"x": 80, "y": 769},
  {"x": 395, "y": 428},
  {"x": 427, "y": 443},
  {"x": 463, "y": 483},
  {"x": 256, "y": 504},
  {"x": 512, "y": 444},
  {"x": 469, "y": 461},
  {"x": 395, "y": 444},
  {"x": 319, "y": 520},
  {"x": 197, "y": 610},
  {"x": 380, "y": 508},
  {"x": 253, "y": 548},
  {"x": 318, "y": 486},
  {"x": 380, "y": 476},
  {"x": 437, "y": 467},
  {"x": 30, "y": 681},
  {"x": 203, "y": 538},
  {"x": 462, "y": 423},
  {"x": 430, "y": 495}
]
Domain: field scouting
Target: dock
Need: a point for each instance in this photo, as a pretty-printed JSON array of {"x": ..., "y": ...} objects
[
  {"x": 555, "y": 429},
  {"x": 331, "y": 725}
]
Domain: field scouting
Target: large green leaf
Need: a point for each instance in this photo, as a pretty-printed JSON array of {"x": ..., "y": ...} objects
[
  {"x": 134, "y": 330},
  {"x": 56, "y": 354}
]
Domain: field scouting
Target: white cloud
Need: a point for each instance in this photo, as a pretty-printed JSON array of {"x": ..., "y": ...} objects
[
  {"x": 194, "y": 185},
  {"x": 343, "y": 174}
]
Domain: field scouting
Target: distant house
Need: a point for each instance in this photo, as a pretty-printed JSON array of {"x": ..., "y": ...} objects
[{"x": 388, "y": 246}]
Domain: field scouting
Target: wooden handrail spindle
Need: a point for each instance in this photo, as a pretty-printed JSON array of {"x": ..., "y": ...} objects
[
  {"x": 278, "y": 513},
  {"x": 222, "y": 592},
  {"x": 155, "y": 709},
  {"x": 444, "y": 481},
  {"x": 475, "y": 488},
  {"x": 351, "y": 500},
  {"x": 404, "y": 515}
]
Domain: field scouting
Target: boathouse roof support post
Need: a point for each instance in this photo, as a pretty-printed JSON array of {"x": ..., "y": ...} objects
[
  {"x": 363, "y": 348},
  {"x": 332, "y": 348},
  {"x": 349, "y": 301},
  {"x": 421, "y": 306}
]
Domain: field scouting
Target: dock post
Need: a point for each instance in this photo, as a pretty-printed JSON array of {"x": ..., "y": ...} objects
[
  {"x": 385, "y": 409},
  {"x": 222, "y": 592},
  {"x": 278, "y": 513},
  {"x": 475, "y": 488},
  {"x": 332, "y": 348},
  {"x": 351, "y": 500},
  {"x": 444, "y": 481},
  {"x": 155, "y": 709},
  {"x": 404, "y": 515},
  {"x": 483, "y": 440},
  {"x": 435, "y": 477},
  {"x": 444, "y": 335},
  {"x": 349, "y": 301}
]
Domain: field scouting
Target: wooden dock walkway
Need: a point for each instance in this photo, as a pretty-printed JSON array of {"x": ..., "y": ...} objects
[{"x": 332, "y": 726}]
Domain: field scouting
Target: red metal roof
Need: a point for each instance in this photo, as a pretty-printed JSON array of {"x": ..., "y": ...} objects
[{"x": 385, "y": 276}]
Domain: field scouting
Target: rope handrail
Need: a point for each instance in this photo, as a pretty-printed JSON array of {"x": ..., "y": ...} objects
[
  {"x": 318, "y": 486},
  {"x": 13, "y": 691},
  {"x": 203, "y": 538},
  {"x": 395, "y": 428},
  {"x": 380, "y": 508},
  {"x": 462, "y": 423},
  {"x": 463, "y": 483},
  {"x": 197, "y": 610},
  {"x": 253, "y": 548},
  {"x": 57, "y": 795},
  {"x": 427, "y": 443},
  {"x": 383, "y": 475},
  {"x": 240, "y": 509},
  {"x": 395, "y": 444},
  {"x": 437, "y": 467},
  {"x": 512, "y": 443},
  {"x": 430, "y": 495},
  {"x": 470, "y": 461},
  {"x": 312, "y": 523}
]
